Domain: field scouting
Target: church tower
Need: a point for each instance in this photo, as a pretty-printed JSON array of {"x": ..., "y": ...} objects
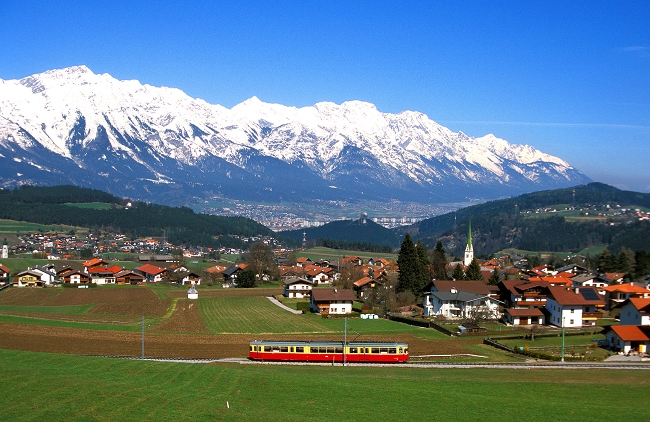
[
  {"x": 469, "y": 250},
  {"x": 5, "y": 249}
]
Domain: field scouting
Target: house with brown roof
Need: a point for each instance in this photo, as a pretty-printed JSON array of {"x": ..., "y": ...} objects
[
  {"x": 4, "y": 273},
  {"x": 526, "y": 316},
  {"x": 332, "y": 301},
  {"x": 523, "y": 293},
  {"x": 297, "y": 287},
  {"x": 573, "y": 307},
  {"x": 28, "y": 278},
  {"x": 76, "y": 277},
  {"x": 128, "y": 277}
]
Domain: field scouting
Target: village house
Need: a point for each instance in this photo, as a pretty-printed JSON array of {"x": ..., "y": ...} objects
[
  {"x": 332, "y": 301},
  {"x": 4, "y": 274},
  {"x": 628, "y": 338},
  {"x": 152, "y": 273},
  {"x": 525, "y": 316},
  {"x": 76, "y": 277},
  {"x": 28, "y": 278},
  {"x": 523, "y": 293},
  {"x": 616, "y": 294},
  {"x": 128, "y": 277},
  {"x": 104, "y": 275},
  {"x": 94, "y": 262},
  {"x": 573, "y": 307},
  {"x": 460, "y": 304},
  {"x": 635, "y": 311},
  {"x": 297, "y": 287}
]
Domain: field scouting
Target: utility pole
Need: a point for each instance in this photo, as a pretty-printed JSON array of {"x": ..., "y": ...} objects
[
  {"x": 345, "y": 337},
  {"x": 562, "y": 339},
  {"x": 142, "y": 336}
]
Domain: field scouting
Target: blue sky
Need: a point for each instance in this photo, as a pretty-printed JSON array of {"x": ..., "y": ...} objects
[{"x": 572, "y": 80}]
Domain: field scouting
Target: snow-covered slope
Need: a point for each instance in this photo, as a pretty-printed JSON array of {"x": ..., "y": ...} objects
[{"x": 73, "y": 126}]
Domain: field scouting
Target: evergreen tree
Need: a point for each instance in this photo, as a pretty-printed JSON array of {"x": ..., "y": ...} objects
[
  {"x": 409, "y": 268},
  {"x": 439, "y": 262},
  {"x": 607, "y": 262},
  {"x": 423, "y": 266},
  {"x": 458, "y": 273},
  {"x": 246, "y": 278},
  {"x": 626, "y": 261},
  {"x": 494, "y": 278},
  {"x": 473, "y": 271},
  {"x": 642, "y": 263}
]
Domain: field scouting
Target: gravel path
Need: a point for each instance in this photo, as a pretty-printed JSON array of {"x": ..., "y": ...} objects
[{"x": 286, "y": 308}]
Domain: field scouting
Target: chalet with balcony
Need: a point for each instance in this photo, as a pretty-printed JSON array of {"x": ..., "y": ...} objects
[
  {"x": 460, "y": 304},
  {"x": 332, "y": 301},
  {"x": 523, "y": 293},
  {"x": 573, "y": 307},
  {"x": 616, "y": 294},
  {"x": 297, "y": 287}
]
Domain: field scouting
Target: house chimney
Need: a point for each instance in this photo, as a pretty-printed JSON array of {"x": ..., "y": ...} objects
[
  {"x": 335, "y": 291},
  {"x": 453, "y": 290},
  {"x": 577, "y": 290}
]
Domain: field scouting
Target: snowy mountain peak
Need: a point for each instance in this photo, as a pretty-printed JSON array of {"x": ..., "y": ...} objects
[{"x": 71, "y": 125}]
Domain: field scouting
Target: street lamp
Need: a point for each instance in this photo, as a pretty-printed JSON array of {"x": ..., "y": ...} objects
[{"x": 562, "y": 360}]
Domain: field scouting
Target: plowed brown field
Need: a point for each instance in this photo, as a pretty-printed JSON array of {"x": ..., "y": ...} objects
[
  {"x": 96, "y": 342},
  {"x": 27, "y": 296},
  {"x": 185, "y": 319}
]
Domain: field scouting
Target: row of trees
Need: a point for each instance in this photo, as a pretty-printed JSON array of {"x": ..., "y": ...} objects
[
  {"x": 418, "y": 266},
  {"x": 634, "y": 264}
]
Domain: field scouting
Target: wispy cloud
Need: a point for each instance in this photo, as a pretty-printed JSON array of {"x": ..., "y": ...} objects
[
  {"x": 639, "y": 50},
  {"x": 546, "y": 124}
]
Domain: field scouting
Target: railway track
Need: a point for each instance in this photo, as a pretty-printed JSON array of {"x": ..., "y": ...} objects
[{"x": 430, "y": 365}]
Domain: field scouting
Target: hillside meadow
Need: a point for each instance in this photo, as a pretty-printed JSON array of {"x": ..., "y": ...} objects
[{"x": 59, "y": 387}]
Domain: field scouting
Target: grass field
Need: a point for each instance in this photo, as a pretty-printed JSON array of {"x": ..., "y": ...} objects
[
  {"x": 56, "y": 387},
  {"x": 320, "y": 252},
  {"x": 91, "y": 205}
]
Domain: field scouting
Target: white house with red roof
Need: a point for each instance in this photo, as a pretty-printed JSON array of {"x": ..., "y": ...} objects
[
  {"x": 94, "y": 262},
  {"x": 104, "y": 275},
  {"x": 152, "y": 273},
  {"x": 628, "y": 338},
  {"x": 616, "y": 294},
  {"x": 573, "y": 307},
  {"x": 635, "y": 311}
]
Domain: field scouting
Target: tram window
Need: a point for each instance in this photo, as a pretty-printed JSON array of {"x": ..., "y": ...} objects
[
  {"x": 367, "y": 350},
  {"x": 406, "y": 350},
  {"x": 400, "y": 350},
  {"x": 284, "y": 349},
  {"x": 267, "y": 348},
  {"x": 252, "y": 349},
  {"x": 276, "y": 348},
  {"x": 291, "y": 349},
  {"x": 392, "y": 350},
  {"x": 375, "y": 350},
  {"x": 322, "y": 350},
  {"x": 338, "y": 350},
  {"x": 353, "y": 350},
  {"x": 330, "y": 350},
  {"x": 300, "y": 349},
  {"x": 383, "y": 350}
]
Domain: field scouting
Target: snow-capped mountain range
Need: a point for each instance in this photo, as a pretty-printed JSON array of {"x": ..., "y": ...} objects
[{"x": 155, "y": 143}]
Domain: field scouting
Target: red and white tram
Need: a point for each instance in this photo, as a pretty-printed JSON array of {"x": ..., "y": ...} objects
[{"x": 328, "y": 351}]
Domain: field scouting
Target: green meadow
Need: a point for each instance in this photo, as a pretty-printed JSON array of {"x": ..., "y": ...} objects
[{"x": 40, "y": 386}]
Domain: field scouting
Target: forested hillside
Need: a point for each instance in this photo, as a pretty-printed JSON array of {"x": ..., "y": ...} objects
[
  {"x": 349, "y": 234},
  {"x": 50, "y": 205},
  {"x": 517, "y": 223}
]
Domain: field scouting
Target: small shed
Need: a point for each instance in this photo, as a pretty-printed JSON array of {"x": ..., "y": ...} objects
[
  {"x": 470, "y": 327},
  {"x": 192, "y": 293}
]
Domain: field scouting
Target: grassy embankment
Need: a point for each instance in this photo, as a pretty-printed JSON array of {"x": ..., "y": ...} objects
[{"x": 57, "y": 387}]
